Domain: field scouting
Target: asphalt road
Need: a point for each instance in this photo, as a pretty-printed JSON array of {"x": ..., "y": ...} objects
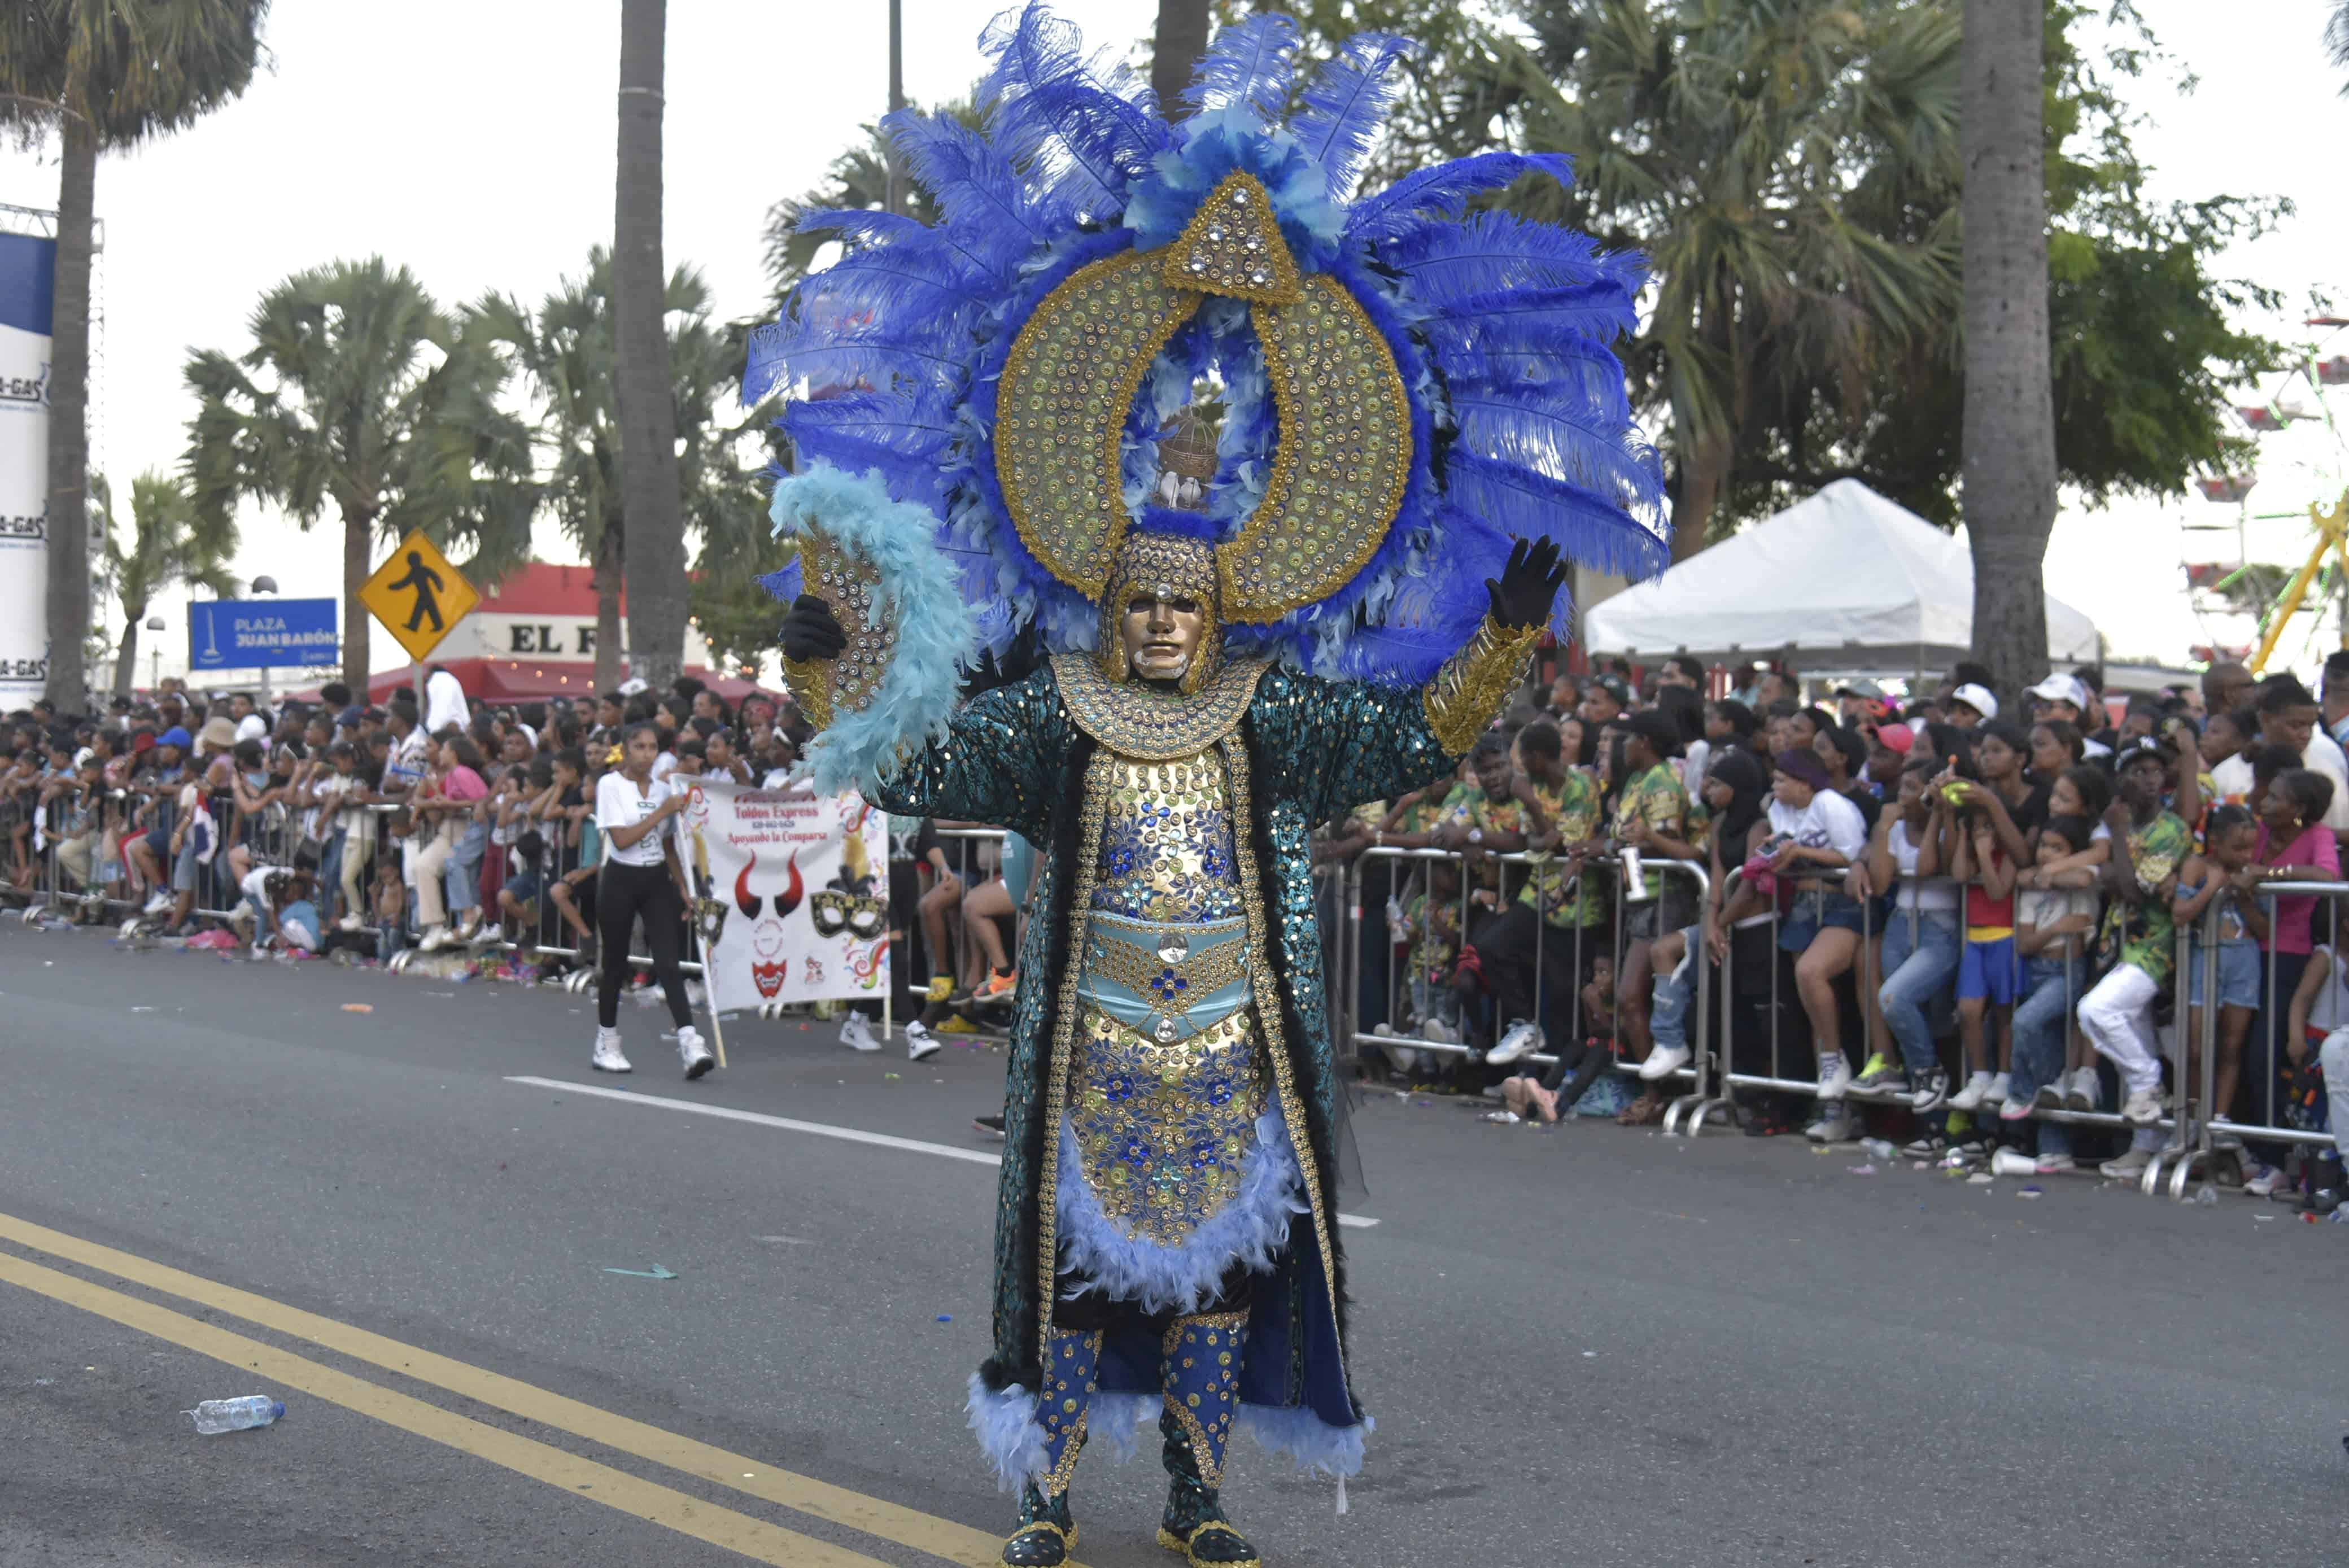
[{"x": 1588, "y": 1346}]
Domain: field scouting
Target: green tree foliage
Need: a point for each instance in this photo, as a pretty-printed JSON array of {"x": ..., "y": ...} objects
[
  {"x": 563, "y": 355},
  {"x": 169, "y": 541},
  {"x": 359, "y": 393},
  {"x": 105, "y": 75},
  {"x": 1789, "y": 167}
]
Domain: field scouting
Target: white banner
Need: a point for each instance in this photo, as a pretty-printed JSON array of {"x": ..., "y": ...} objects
[
  {"x": 26, "y": 267},
  {"x": 804, "y": 883}
]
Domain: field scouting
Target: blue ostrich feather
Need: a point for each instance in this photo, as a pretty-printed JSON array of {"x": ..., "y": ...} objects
[
  {"x": 1084, "y": 131},
  {"x": 1563, "y": 437},
  {"x": 1219, "y": 143},
  {"x": 784, "y": 584},
  {"x": 1589, "y": 527},
  {"x": 1572, "y": 372},
  {"x": 1540, "y": 318},
  {"x": 980, "y": 195},
  {"x": 918, "y": 595},
  {"x": 857, "y": 226},
  {"x": 1492, "y": 252},
  {"x": 903, "y": 438},
  {"x": 1443, "y": 191},
  {"x": 1346, "y": 105},
  {"x": 1249, "y": 65}
]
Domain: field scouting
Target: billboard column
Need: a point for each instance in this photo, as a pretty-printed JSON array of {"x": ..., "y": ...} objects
[{"x": 27, "y": 283}]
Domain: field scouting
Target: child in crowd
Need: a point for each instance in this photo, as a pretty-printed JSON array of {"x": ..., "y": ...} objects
[
  {"x": 2054, "y": 918},
  {"x": 389, "y": 906},
  {"x": 2147, "y": 847},
  {"x": 2223, "y": 875},
  {"x": 1988, "y": 970},
  {"x": 2294, "y": 845}
]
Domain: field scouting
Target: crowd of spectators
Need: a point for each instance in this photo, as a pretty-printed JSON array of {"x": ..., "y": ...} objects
[
  {"x": 1931, "y": 918},
  {"x": 434, "y": 821}
]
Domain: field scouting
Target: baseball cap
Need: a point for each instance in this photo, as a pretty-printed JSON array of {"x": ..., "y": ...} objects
[
  {"x": 141, "y": 742},
  {"x": 2154, "y": 746},
  {"x": 2063, "y": 688},
  {"x": 176, "y": 735},
  {"x": 1978, "y": 698},
  {"x": 1862, "y": 688},
  {"x": 1614, "y": 687}
]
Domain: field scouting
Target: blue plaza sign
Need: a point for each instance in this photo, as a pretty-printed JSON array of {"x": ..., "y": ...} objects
[{"x": 253, "y": 633}]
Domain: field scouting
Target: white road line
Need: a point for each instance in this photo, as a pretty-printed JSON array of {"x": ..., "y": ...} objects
[{"x": 821, "y": 1129}]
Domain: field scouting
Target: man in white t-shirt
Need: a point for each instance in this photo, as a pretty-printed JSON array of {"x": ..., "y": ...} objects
[{"x": 444, "y": 701}]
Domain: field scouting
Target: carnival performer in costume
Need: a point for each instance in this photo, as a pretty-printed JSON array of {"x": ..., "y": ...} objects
[{"x": 1412, "y": 415}]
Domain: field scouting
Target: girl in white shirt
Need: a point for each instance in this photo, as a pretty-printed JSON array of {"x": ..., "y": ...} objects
[{"x": 641, "y": 875}]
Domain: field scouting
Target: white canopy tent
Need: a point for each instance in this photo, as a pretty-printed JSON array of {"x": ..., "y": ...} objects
[{"x": 1845, "y": 580}]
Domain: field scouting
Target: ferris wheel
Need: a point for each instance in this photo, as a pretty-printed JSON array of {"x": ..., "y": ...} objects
[{"x": 2302, "y": 428}]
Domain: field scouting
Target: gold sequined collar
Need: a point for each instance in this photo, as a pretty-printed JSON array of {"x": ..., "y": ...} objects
[{"x": 1149, "y": 725}]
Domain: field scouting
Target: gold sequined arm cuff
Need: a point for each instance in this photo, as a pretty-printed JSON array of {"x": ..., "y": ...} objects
[
  {"x": 1469, "y": 691},
  {"x": 811, "y": 684}
]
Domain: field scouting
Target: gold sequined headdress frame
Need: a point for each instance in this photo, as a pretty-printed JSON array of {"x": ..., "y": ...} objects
[{"x": 1170, "y": 566}]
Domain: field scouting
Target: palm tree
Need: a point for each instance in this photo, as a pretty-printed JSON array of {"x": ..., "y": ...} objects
[
  {"x": 1176, "y": 45},
  {"x": 655, "y": 546},
  {"x": 2337, "y": 38},
  {"x": 564, "y": 356},
  {"x": 2009, "y": 430},
  {"x": 1737, "y": 143},
  {"x": 360, "y": 392},
  {"x": 169, "y": 543},
  {"x": 109, "y": 76}
]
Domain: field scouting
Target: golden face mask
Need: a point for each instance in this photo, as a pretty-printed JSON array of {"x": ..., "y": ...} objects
[{"x": 1167, "y": 566}]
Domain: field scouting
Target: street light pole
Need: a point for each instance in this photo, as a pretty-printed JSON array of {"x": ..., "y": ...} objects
[{"x": 897, "y": 202}]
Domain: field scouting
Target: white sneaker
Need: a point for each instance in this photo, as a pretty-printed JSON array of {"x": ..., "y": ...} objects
[
  {"x": 858, "y": 1035},
  {"x": 2000, "y": 1084},
  {"x": 693, "y": 1052},
  {"x": 2261, "y": 1181},
  {"x": 1971, "y": 1097},
  {"x": 608, "y": 1057},
  {"x": 350, "y": 923},
  {"x": 2015, "y": 1110},
  {"x": 1663, "y": 1061},
  {"x": 920, "y": 1044},
  {"x": 438, "y": 937},
  {"x": 2128, "y": 1167},
  {"x": 159, "y": 903},
  {"x": 1834, "y": 1076},
  {"x": 2143, "y": 1107},
  {"x": 2054, "y": 1164},
  {"x": 1834, "y": 1126},
  {"x": 1519, "y": 1039},
  {"x": 1436, "y": 1030}
]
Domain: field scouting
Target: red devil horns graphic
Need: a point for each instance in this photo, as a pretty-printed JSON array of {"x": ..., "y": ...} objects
[
  {"x": 790, "y": 900},
  {"x": 744, "y": 899},
  {"x": 785, "y": 902}
]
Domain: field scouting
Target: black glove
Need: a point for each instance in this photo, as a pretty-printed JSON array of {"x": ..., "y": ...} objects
[
  {"x": 812, "y": 630},
  {"x": 1527, "y": 586}
]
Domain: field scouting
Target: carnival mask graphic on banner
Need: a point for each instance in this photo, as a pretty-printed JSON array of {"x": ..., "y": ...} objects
[{"x": 809, "y": 919}]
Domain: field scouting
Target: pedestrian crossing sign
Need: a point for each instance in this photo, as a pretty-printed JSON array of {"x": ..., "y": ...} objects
[{"x": 417, "y": 595}]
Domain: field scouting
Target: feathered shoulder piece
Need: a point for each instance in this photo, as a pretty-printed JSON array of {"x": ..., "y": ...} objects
[{"x": 1392, "y": 388}]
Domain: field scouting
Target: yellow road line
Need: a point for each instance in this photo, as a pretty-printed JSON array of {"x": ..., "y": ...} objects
[
  {"x": 886, "y": 1521},
  {"x": 660, "y": 1505}
]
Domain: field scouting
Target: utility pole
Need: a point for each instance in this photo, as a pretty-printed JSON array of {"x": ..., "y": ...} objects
[{"x": 896, "y": 202}]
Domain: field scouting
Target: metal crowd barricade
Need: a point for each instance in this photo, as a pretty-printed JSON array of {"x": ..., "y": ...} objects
[
  {"x": 2193, "y": 1153},
  {"x": 1686, "y": 1114}
]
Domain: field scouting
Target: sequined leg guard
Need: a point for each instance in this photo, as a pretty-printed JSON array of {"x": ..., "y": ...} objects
[
  {"x": 1202, "y": 1376},
  {"x": 1047, "y": 1534}
]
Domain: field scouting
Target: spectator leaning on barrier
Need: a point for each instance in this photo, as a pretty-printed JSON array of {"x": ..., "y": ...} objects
[
  {"x": 2223, "y": 881},
  {"x": 2136, "y": 944},
  {"x": 1558, "y": 808},
  {"x": 1921, "y": 944},
  {"x": 1814, "y": 830},
  {"x": 1651, "y": 816},
  {"x": 2054, "y": 915}
]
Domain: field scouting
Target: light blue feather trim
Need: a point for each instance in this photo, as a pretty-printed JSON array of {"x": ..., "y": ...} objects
[
  {"x": 1118, "y": 1420},
  {"x": 1005, "y": 1420},
  {"x": 1249, "y": 1229},
  {"x": 1299, "y": 1434},
  {"x": 920, "y": 594}
]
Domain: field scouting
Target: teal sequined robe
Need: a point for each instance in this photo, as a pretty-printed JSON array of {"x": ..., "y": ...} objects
[{"x": 1296, "y": 751}]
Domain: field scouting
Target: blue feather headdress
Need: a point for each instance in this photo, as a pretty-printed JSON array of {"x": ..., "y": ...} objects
[{"x": 1511, "y": 417}]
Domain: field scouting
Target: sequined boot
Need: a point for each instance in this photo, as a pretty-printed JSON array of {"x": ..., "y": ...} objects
[
  {"x": 1047, "y": 1532},
  {"x": 1201, "y": 1375}
]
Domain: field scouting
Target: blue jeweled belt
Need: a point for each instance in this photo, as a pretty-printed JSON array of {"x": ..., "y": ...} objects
[{"x": 1168, "y": 982}]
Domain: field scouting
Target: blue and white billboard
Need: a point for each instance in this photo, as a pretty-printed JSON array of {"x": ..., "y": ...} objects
[
  {"x": 29, "y": 272},
  {"x": 256, "y": 634}
]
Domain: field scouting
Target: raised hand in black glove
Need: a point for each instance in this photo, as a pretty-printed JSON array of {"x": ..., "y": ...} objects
[
  {"x": 812, "y": 630},
  {"x": 1527, "y": 586}
]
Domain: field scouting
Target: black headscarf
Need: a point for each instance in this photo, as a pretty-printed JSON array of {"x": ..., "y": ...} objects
[{"x": 1749, "y": 796}]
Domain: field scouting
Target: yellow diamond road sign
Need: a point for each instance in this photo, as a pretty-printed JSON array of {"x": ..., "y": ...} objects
[{"x": 418, "y": 596}]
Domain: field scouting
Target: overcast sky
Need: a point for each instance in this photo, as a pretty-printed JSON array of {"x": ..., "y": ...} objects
[{"x": 474, "y": 142}]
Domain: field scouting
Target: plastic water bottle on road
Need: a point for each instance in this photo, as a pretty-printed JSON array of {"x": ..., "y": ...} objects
[{"x": 215, "y": 1416}]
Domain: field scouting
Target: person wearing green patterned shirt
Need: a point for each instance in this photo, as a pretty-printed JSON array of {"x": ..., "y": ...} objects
[
  {"x": 1557, "y": 808},
  {"x": 2138, "y": 938},
  {"x": 1650, "y": 816}
]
